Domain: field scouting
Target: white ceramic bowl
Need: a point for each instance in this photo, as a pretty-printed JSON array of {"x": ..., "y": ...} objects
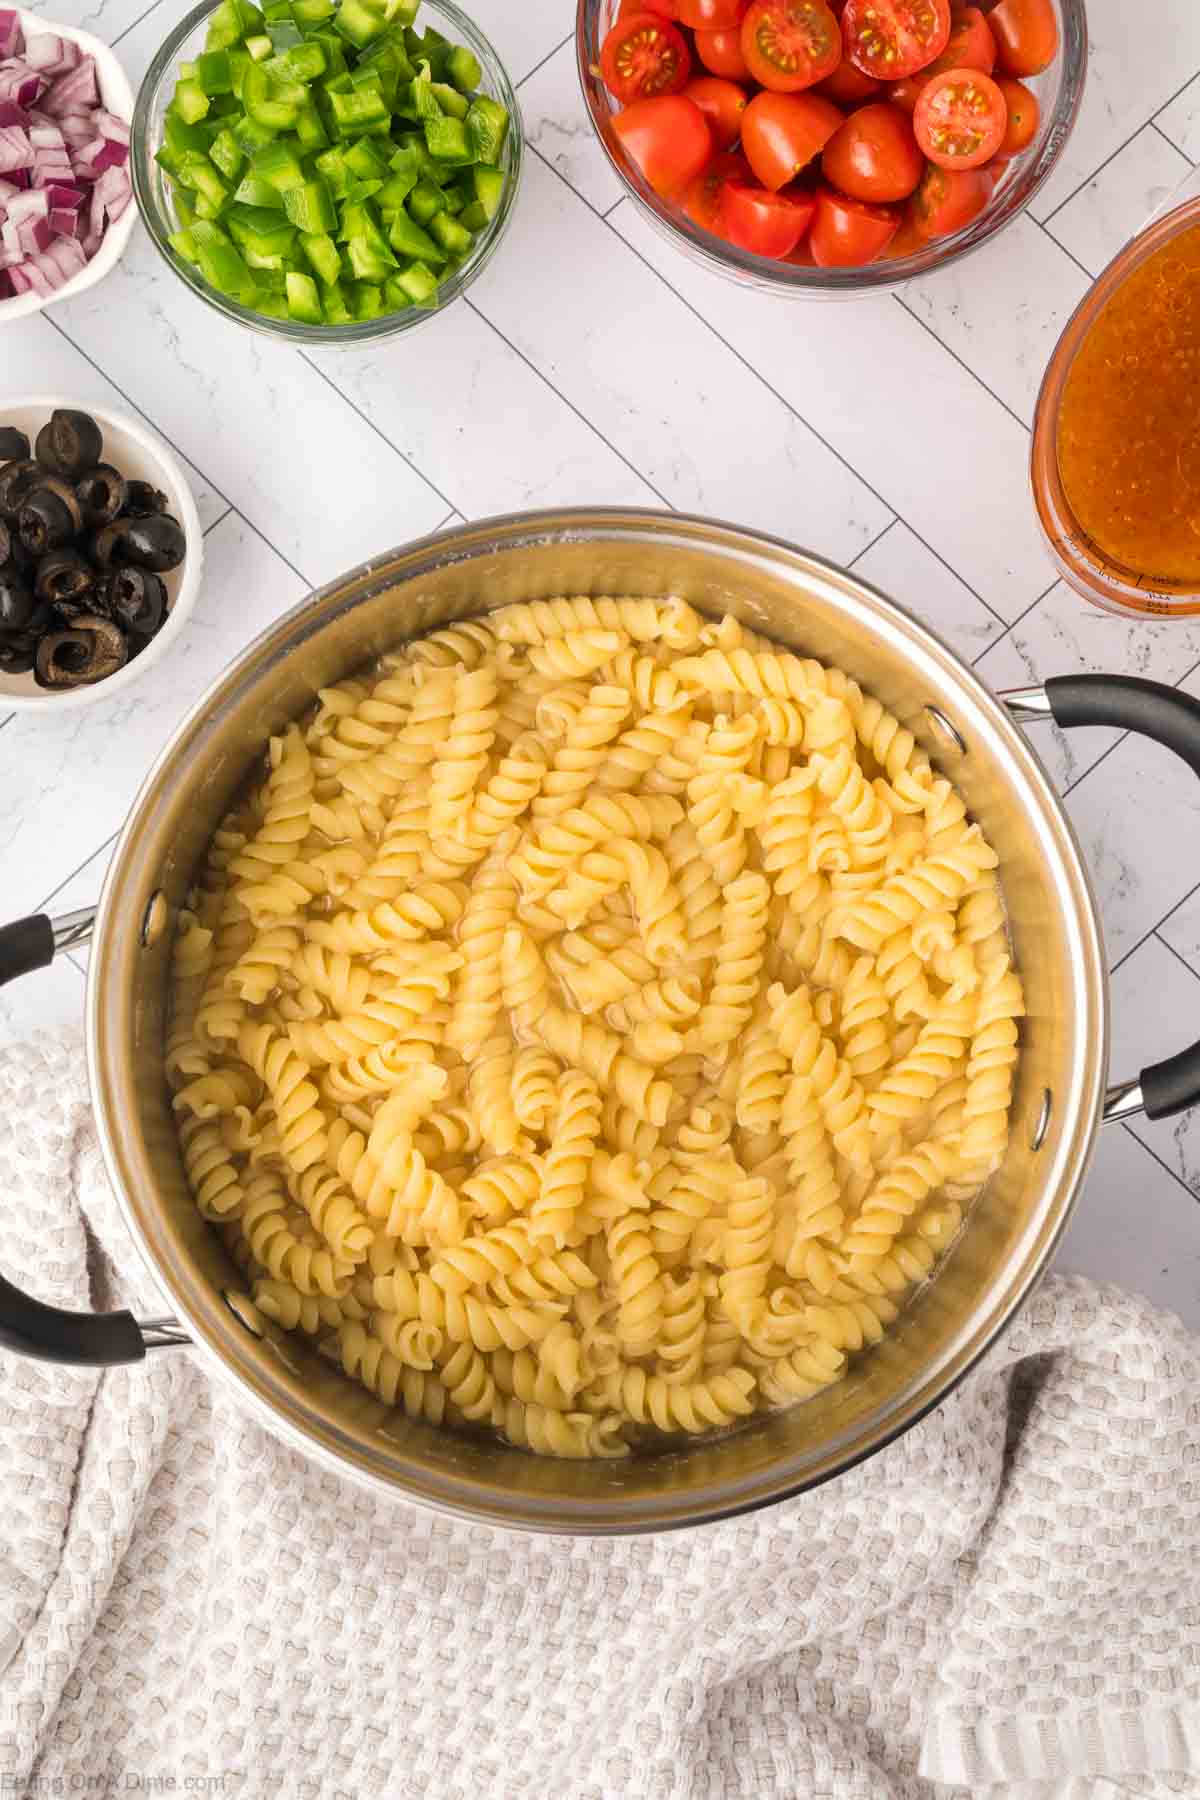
[
  {"x": 140, "y": 456},
  {"x": 117, "y": 96}
]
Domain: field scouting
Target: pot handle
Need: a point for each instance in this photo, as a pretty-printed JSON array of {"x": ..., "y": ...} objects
[
  {"x": 28, "y": 1326},
  {"x": 1172, "y": 719}
]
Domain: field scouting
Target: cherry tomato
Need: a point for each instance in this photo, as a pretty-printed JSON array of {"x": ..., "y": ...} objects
[
  {"x": 948, "y": 199},
  {"x": 723, "y": 104},
  {"x": 969, "y": 46},
  {"x": 644, "y": 55},
  {"x": 667, "y": 138},
  {"x": 665, "y": 9},
  {"x": 1026, "y": 34},
  {"x": 846, "y": 232},
  {"x": 906, "y": 93},
  {"x": 894, "y": 38},
  {"x": 721, "y": 54},
  {"x": 790, "y": 44},
  {"x": 1023, "y": 116},
  {"x": 702, "y": 197},
  {"x": 874, "y": 156},
  {"x": 710, "y": 15},
  {"x": 783, "y": 132},
  {"x": 801, "y": 257},
  {"x": 848, "y": 86},
  {"x": 768, "y": 224},
  {"x": 960, "y": 119},
  {"x": 907, "y": 240}
]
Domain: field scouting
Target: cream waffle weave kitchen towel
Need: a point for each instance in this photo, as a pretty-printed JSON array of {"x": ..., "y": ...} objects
[{"x": 1008, "y": 1600}]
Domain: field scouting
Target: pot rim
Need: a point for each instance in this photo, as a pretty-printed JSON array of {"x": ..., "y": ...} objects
[{"x": 500, "y": 1507}]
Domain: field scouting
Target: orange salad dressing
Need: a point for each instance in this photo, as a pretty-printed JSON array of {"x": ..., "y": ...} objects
[{"x": 1128, "y": 435}]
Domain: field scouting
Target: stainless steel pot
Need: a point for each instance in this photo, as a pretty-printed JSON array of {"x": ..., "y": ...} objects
[{"x": 813, "y": 607}]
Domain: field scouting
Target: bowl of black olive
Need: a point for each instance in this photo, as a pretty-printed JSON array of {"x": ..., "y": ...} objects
[{"x": 100, "y": 552}]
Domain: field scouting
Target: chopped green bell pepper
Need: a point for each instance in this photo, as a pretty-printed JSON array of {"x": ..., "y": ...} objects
[
  {"x": 359, "y": 23},
  {"x": 462, "y": 68},
  {"x": 489, "y": 185},
  {"x": 310, "y": 207},
  {"x": 426, "y": 201},
  {"x": 190, "y": 100},
  {"x": 368, "y": 300},
  {"x": 303, "y": 62},
  {"x": 228, "y": 155},
  {"x": 452, "y": 103},
  {"x": 259, "y": 48},
  {"x": 363, "y": 109},
  {"x": 411, "y": 242},
  {"x": 322, "y": 254},
  {"x": 455, "y": 241},
  {"x": 278, "y": 164},
  {"x": 333, "y": 300},
  {"x": 303, "y": 300},
  {"x": 447, "y": 141},
  {"x": 487, "y": 128},
  {"x": 419, "y": 283}
]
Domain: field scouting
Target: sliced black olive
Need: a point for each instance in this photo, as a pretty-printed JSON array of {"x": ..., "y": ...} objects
[
  {"x": 104, "y": 545},
  {"x": 44, "y": 521},
  {"x": 101, "y": 494},
  {"x": 16, "y": 480},
  {"x": 16, "y": 601},
  {"x": 142, "y": 499},
  {"x": 6, "y": 543},
  {"x": 14, "y": 445},
  {"x": 90, "y": 650},
  {"x": 69, "y": 442},
  {"x": 18, "y": 652},
  {"x": 154, "y": 543},
  {"x": 64, "y": 575},
  {"x": 136, "y": 599}
]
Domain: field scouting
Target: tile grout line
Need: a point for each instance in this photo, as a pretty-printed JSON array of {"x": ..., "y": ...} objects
[
  {"x": 1174, "y": 952},
  {"x": 530, "y": 73},
  {"x": 1070, "y": 253},
  {"x": 1156, "y": 927},
  {"x": 877, "y": 539},
  {"x": 379, "y": 433},
  {"x": 763, "y": 382},
  {"x": 570, "y": 404},
  {"x": 212, "y": 526},
  {"x": 100, "y": 848},
  {"x": 153, "y": 7},
  {"x": 1165, "y": 1166},
  {"x": 129, "y": 401},
  {"x": 952, "y": 353},
  {"x": 1169, "y": 140},
  {"x": 1054, "y": 212}
]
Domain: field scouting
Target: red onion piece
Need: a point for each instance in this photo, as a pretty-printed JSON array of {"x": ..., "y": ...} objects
[
  {"x": 74, "y": 91},
  {"x": 67, "y": 223},
  {"x": 12, "y": 114},
  {"x": 109, "y": 126},
  {"x": 43, "y": 50},
  {"x": 35, "y": 235},
  {"x": 31, "y": 205},
  {"x": 10, "y": 33},
  {"x": 16, "y": 151}
]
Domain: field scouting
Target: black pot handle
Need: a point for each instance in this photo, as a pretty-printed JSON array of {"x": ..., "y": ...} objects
[
  {"x": 1172, "y": 719},
  {"x": 28, "y": 1326}
]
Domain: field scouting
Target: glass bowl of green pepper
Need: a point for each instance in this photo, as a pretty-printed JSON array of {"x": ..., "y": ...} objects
[{"x": 326, "y": 171}]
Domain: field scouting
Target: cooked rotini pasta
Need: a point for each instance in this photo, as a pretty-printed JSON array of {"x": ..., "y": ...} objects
[{"x": 592, "y": 1025}]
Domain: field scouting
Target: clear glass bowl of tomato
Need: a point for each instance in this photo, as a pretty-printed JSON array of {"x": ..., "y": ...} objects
[{"x": 844, "y": 144}]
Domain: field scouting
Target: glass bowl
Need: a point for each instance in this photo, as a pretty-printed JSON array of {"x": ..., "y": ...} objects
[
  {"x": 154, "y": 191},
  {"x": 1059, "y": 92},
  {"x": 1081, "y": 561}
]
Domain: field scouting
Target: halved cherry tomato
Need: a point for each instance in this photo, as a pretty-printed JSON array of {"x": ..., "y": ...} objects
[
  {"x": 768, "y": 224},
  {"x": 667, "y": 138},
  {"x": 702, "y": 197},
  {"x": 783, "y": 132},
  {"x": 874, "y": 156},
  {"x": 894, "y": 38},
  {"x": 960, "y": 119},
  {"x": 723, "y": 104},
  {"x": 721, "y": 54},
  {"x": 710, "y": 15},
  {"x": 846, "y": 233},
  {"x": 948, "y": 199},
  {"x": 1023, "y": 115},
  {"x": 790, "y": 44},
  {"x": 644, "y": 55},
  {"x": 666, "y": 9},
  {"x": 907, "y": 240},
  {"x": 1026, "y": 34},
  {"x": 848, "y": 86}
]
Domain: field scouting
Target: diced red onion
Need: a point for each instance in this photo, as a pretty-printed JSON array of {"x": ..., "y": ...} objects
[
  {"x": 10, "y": 239},
  {"x": 74, "y": 91},
  {"x": 12, "y": 114},
  {"x": 77, "y": 128},
  {"x": 18, "y": 280},
  {"x": 16, "y": 151},
  {"x": 67, "y": 222},
  {"x": 36, "y": 279},
  {"x": 10, "y": 34},
  {"x": 34, "y": 204},
  {"x": 43, "y": 50},
  {"x": 109, "y": 126},
  {"x": 35, "y": 235},
  {"x": 63, "y": 196}
]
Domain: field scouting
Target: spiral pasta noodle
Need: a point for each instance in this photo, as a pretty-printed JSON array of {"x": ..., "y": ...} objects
[{"x": 592, "y": 1025}]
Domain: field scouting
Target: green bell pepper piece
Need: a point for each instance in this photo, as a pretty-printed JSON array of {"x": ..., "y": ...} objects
[
  {"x": 312, "y": 12},
  {"x": 489, "y": 186},
  {"x": 190, "y": 100},
  {"x": 366, "y": 264},
  {"x": 432, "y": 48},
  {"x": 363, "y": 109},
  {"x": 252, "y": 190},
  {"x": 367, "y": 299},
  {"x": 395, "y": 192},
  {"x": 333, "y": 299},
  {"x": 228, "y": 155},
  {"x": 253, "y": 137},
  {"x": 332, "y": 167},
  {"x": 363, "y": 190},
  {"x": 426, "y": 201},
  {"x": 310, "y": 130},
  {"x": 259, "y": 48},
  {"x": 184, "y": 244},
  {"x": 364, "y": 160},
  {"x": 230, "y": 23},
  {"x": 303, "y": 300},
  {"x": 359, "y": 23},
  {"x": 448, "y": 142},
  {"x": 487, "y": 128},
  {"x": 462, "y": 68},
  {"x": 214, "y": 72},
  {"x": 452, "y": 103},
  {"x": 454, "y": 201},
  {"x": 411, "y": 242},
  {"x": 322, "y": 254},
  {"x": 419, "y": 283},
  {"x": 310, "y": 207},
  {"x": 178, "y": 134},
  {"x": 222, "y": 264},
  {"x": 273, "y": 103},
  {"x": 396, "y": 296},
  {"x": 278, "y": 164},
  {"x": 239, "y": 62},
  {"x": 185, "y": 207},
  {"x": 473, "y": 218},
  {"x": 303, "y": 62},
  {"x": 450, "y": 234},
  {"x": 261, "y": 229}
]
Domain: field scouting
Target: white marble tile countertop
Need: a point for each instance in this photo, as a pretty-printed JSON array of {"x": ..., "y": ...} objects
[{"x": 592, "y": 363}]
